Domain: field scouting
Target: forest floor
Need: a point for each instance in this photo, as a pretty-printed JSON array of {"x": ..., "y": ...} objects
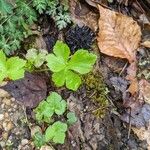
[{"x": 113, "y": 103}]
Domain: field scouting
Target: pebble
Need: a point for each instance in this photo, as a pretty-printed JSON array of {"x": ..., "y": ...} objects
[
  {"x": 5, "y": 135},
  {"x": 2, "y": 144},
  {"x": 7, "y": 101},
  {"x": 24, "y": 142},
  {"x": 46, "y": 148},
  {"x": 1, "y": 117},
  {"x": 9, "y": 126},
  {"x": 35, "y": 129},
  {"x": 3, "y": 93},
  {"x": 6, "y": 115}
]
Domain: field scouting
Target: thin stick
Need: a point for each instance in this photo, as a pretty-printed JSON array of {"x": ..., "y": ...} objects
[{"x": 129, "y": 131}]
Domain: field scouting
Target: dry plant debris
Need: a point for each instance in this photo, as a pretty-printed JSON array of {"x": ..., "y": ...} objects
[
  {"x": 28, "y": 91},
  {"x": 119, "y": 36}
]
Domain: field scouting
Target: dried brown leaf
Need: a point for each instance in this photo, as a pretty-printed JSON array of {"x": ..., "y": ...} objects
[
  {"x": 119, "y": 35},
  {"x": 146, "y": 44}
]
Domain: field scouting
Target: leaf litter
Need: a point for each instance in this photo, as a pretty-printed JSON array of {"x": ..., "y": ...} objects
[
  {"x": 28, "y": 91},
  {"x": 119, "y": 36}
]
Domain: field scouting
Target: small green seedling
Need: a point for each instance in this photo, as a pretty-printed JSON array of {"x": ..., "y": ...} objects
[
  {"x": 11, "y": 68},
  {"x": 53, "y": 104},
  {"x": 66, "y": 68},
  {"x": 39, "y": 139},
  {"x": 35, "y": 58},
  {"x": 56, "y": 132},
  {"x": 71, "y": 118}
]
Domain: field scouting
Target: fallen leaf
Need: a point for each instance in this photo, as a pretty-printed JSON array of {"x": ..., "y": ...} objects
[
  {"x": 138, "y": 113},
  {"x": 119, "y": 84},
  {"x": 82, "y": 15},
  {"x": 143, "y": 134},
  {"x": 119, "y": 35},
  {"x": 146, "y": 44},
  {"x": 138, "y": 118},
  {"x": 29, "y": 91}
]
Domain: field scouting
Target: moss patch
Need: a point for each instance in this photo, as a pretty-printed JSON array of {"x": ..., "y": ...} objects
[{"x": 97, "y": 92}]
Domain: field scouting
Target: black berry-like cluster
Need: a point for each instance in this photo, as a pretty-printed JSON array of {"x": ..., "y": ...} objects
[{"x": 79, "y": 37}]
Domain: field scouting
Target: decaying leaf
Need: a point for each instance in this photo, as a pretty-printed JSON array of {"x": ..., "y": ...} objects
[
  {"x": 82, "y": 15},
  {"x": 119, "y": 84},
  {"x": 139, "y": 112},
  {"x": 29, "y": 91},
  {"x": 138, "y": 118},
  {"x": 119, "y": 35}
]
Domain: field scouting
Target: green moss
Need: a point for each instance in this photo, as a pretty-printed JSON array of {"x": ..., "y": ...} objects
[{"x": 97, "y": 92}]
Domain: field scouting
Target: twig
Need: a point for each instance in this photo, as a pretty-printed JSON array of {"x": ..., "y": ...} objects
[
  {"x": 129, "y": 131},
  {"x": 123, "y": 69}
]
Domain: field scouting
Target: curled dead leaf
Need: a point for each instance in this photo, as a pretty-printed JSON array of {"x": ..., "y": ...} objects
[{"x": 119, "y": 35}]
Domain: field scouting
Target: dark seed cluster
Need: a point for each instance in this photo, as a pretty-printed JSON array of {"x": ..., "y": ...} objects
[{"x": 79, "y": 37}]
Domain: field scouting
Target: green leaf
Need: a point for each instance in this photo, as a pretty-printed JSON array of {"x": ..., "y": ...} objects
[
  {"x": 65, "y": 69},
  {"x": 82, "y": 61},
  {"x": 16, "y": 74},
  {"x": 71, "y": 118},
  {"x": 55, "y": 64},
  {"x": 15, "y": 68},
  {"x": 35, "y": 57},
  {"x": 59, "y": 138},
  {"x": 61, "y": 50},
  {"x": 2, "y": 76},
  {"x": 39, "y": 140},
  {"x": 12, "y": 68},
  {"x": 56, "y": 103},
  {"x": 73, "y": 80},
  {"x": 2, "y": 56},
  {"x": 5, "y": 7},
  {"x": 53, "y": 104},
  {"x": 59, "y": 78},
  {"x": 2, "y": 60},
  {"x": 44, "y": 111},
  {"x": 56, "y": 132}
]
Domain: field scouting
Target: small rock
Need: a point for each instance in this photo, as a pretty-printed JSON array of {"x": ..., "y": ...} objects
[
  {"x": 24, "y": 142},
  {"x": 7, "y": 101},
  {"x": 6, "y": 115},
  {"x": 4, "y": 124},
  {"x": 2, "y": 144},
  {"x": 2, "y": 106},
  {"x": 5, "y": 135},
  {"x": 9, "y": 126},
  {"x": 46, "y": 148},
  {"x": 3, "y": 93},
  {"x": 35, "y": 129},
  {"x": 1, "y": 117},
  {"x": 12, "y": 99}
]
